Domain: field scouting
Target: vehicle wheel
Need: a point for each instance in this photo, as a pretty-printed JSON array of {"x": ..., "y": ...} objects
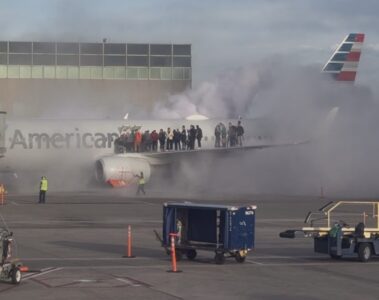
[
  {"x": 239, "y": 258},
  {"x": 191, "y": 254},
  {"x": 219, "y": 258},
  {"x": 364, "y": 252},
  {"x": 16, "y": 276},
  {"x": 335, "y": 256}
]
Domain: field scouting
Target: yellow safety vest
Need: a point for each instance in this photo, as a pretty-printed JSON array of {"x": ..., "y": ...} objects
[
  {"x": 141, "y": 181},
  {"x": 44, "y": 184}
]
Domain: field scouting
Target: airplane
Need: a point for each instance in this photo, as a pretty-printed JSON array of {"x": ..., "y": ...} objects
[{"x": 42, "y": 144}]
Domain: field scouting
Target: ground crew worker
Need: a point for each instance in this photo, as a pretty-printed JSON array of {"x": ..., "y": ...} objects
[
  {"x": 42, "y": 189},
  {"x": 2, "y": 193},
  {"x": 141, "y": 184}
]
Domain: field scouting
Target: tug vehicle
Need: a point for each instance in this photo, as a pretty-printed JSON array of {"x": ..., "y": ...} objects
[{"x": 343, "y": 229}]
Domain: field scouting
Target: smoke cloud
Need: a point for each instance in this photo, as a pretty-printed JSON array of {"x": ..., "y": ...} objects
[{"x": 295, "y": 104}]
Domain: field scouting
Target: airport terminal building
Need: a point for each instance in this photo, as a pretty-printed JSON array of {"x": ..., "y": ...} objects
[{"x": 38, "y": 77}]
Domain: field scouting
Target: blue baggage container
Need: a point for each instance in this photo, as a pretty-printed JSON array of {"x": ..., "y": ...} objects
[{"x": 229, "y": 231}]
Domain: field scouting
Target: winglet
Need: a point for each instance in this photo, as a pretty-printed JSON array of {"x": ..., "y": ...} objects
[{"x": 344, "y": 62}]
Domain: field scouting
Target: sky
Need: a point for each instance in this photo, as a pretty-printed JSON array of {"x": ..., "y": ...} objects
[{"x": 224, "y": 34}]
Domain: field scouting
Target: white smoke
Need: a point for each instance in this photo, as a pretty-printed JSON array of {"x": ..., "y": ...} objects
[{"x": 296, "y": 103}]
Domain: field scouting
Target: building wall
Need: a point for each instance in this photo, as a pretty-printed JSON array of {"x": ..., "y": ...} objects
[
  {"x": 58, "y": 78},
  {"x": 76, "y": 98}
]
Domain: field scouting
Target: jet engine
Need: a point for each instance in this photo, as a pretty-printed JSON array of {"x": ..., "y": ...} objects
[{"x": 121, "y": 170}]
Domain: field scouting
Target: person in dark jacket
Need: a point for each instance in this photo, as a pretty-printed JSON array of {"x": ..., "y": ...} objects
[
  {"x": 154, "y": 140},
  {"x": 177, "y": 139},
  {"x": 217, "y": 136},
  {"x": 183, "y": 137},
  {"x": 192, "y": 137},
  {"x": 162, "y": 139},
  {"x": 199, "y": 135},
  {"x": 240, "y": 133}
]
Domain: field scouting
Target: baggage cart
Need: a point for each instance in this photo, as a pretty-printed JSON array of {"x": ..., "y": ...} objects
[{"x": 229, "y": 231}]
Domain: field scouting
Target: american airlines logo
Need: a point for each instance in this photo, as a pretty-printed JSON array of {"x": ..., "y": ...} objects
[{"x": 58, "y": 140}]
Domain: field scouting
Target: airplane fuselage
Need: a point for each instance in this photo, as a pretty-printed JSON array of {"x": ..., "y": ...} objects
[{"x": 39, "y": 144}]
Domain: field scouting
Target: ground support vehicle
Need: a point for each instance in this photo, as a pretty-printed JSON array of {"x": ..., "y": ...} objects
[
  {"x": 229, "y": 231},
  {"x": 9, "y": 269},
  {"x": 335, "y": 237}
]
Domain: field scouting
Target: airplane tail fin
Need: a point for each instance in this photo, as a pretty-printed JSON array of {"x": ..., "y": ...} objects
[{"x": 344, "y": 62}]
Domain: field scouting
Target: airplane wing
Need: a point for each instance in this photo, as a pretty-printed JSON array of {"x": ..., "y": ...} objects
[
  {"x": 120, "y": 170},
  {"x": 167, "y": 156}
]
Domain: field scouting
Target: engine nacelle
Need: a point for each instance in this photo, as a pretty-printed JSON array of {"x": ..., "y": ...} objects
[{"x": 121, "y": 170}]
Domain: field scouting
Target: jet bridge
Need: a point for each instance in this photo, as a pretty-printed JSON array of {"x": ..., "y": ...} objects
[{"x": 3, "y": 115}]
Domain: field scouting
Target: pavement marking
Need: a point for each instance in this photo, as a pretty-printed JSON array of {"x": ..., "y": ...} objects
[
  {"x": 15, "y": 203},
  {"x": 49, "y": 270},
  {"x": 254, "y": 262},
  {"x": 126, "y": 281},
  {"x": 82, "y": 258}
]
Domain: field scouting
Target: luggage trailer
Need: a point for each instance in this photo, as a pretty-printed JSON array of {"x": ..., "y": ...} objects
[
  {"x": 330, "y": 227},
  {"x": 229, "y": 231}
]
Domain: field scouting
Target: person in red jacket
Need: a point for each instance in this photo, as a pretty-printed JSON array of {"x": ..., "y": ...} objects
[
  {"x": 137, "y": 141},
  {"x": 154, "y": 140}
]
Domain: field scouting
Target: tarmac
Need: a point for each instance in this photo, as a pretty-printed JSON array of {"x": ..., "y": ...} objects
[{"x": 73, "y": 246}]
